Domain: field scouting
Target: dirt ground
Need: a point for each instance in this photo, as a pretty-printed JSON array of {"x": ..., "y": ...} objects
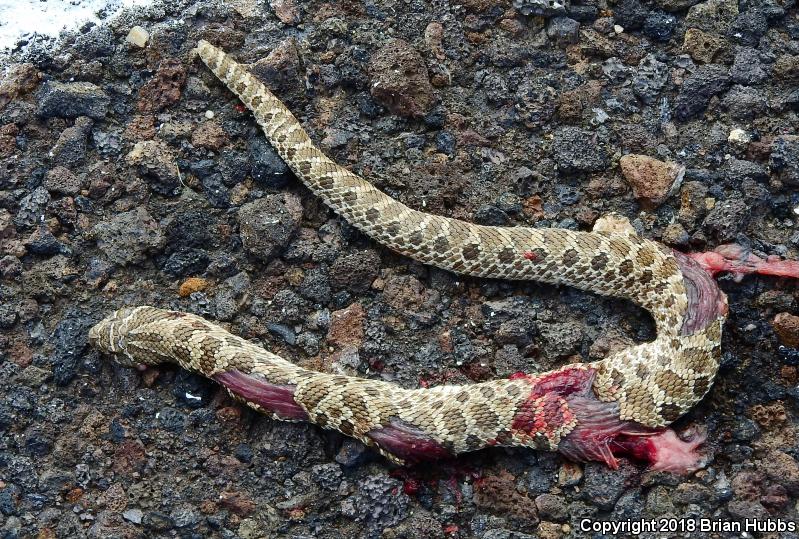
[{"x": 130, "y": 176}]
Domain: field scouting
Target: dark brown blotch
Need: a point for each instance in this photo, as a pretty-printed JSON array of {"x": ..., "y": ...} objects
[
  {"x": 346, "y": 427},
  {"x": 416, "y": 237},
  {"x": 471, "y": 251},
  {"x": 506, "y": 255},
  {"x": 599, "y": 261},
  {"x": 670, "y": 412},
  {"x": 701, "y": 385},
  {"x": 570, "y": 258},
  {"x": 441, "y": 244}
]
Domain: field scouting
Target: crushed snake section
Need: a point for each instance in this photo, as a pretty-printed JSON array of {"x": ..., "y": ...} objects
[{"x": 578, "y": 409}]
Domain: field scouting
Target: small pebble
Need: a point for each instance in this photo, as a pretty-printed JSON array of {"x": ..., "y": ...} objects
[{"x": 138, "y": 36}]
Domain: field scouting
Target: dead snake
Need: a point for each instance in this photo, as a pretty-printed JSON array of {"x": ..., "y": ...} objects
[{"x": 589, "y": 411}]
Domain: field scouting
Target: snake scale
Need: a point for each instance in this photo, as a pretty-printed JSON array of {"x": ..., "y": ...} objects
[{"x": 588, "y": 411}]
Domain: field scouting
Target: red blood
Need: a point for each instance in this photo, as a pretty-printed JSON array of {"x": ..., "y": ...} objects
[
  {"x": 274, "y": 398},
  {"x": 451, "y": 529},
  {"x": 241, "y": 109},
  {"x": 408, "y": 442},
  {"x": 411, "y": 486},
  {"x": 529, "y": 255},
  {"x": 663, "y": 450},
  {"x": 517, "y": 376}
]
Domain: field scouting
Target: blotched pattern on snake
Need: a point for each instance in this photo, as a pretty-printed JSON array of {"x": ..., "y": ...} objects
[{"x": 587, "y": 411}]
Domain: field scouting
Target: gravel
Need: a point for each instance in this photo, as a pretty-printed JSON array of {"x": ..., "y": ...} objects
[{"x": 129, "y": 176}]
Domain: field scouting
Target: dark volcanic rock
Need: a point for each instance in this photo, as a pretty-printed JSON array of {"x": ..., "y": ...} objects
[
  {"x": 698, "y": 88},
  {"x": 603, "y": 486},
  {"x": 747, "y": 69},
  {"x": 576, "y": 150},
  {"x": 62, "y": 181},
  {"x": 785, "y": 159},
  {"x": 268, "y": 224},
  {"x": 129, "y": 237},
  {"x": 71, "y": 145},
  {"x": 543, "y": 8},
  {"x": 399, "y": 79},
  {"x": 31, "y": 208},
  {"x": 156, "y": 164},
  {"x": 70, "y": 100},
  {"x": 378, "y": 501},
  {"x": 266, "y": 166}
]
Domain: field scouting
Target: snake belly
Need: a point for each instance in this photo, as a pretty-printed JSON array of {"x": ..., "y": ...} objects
[{"x": 586, "y": 411}]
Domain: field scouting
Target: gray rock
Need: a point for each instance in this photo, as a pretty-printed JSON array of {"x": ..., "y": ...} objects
[
  {"x": 8, "y": 315},
  {"x": 33, "y": 376},
  {"x": 155, "y": 163},
  {"x": 172, "y": 419},
  {"x": 563, "y": 30},
  {"x": 576, "y": 150},
  {"x": 630, "y": 505},
  {"x": 561, "y": 338},
  {"x": 68, "y": 340},
  {"x": 70, "y": 149},
  {"x": 31, "y": 208},
  {"x": 399, "y": 79},
  {"x": 185, "y": 516},
  {"x": 352, "y": 453},
  {"x": 698, "y": 88},
  {"x": 184, "y": 262},
  {"x": 542, "y": 8},
  {"x": 552, "y": 507},
  {"x": 71, "y": 99},
  {"x": 727, "y": 218},
  {"x": 129, "y": 237},
  {"x": 650, "y": 78},
  {"x": 738, "y": 170},
  {"x": 745, "y": 103},
  {"x": 268, "y": 224},
  {"x": 658, "y": 501},
  {"x": 355, "y": 272},
  {"x": 328, "y": 476},
  {"x": 315, "y": 286},
  {"x": 379, "y": 502},
  {"x": 747, "y": 69},
  {"x": 603, "y": 486},
  {"x": 630, "y": 14},
  {"x": 133, "y": 515},
  {"x": 660, "y": 26},
  {"x": 747, "y": 509},
  {"x": 713, "y": 16},
  {"x": 62, "y": 181},
  {"x": 785, "y": 159},
  {"x": 42, "y": 242}
]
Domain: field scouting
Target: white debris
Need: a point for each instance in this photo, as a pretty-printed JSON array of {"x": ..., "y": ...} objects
[
  {"x": 138, "y": 36},
  {"x": 739, "y": 135}
]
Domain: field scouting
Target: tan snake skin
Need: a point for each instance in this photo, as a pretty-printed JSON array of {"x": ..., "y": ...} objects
[{"x": 652, "y": 383}]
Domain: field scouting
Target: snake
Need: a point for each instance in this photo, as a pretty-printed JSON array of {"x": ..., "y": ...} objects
[{"x": 620, "y": 405}]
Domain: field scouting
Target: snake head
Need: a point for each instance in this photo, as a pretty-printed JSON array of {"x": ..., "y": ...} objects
[{"x": 116, "y": 334}]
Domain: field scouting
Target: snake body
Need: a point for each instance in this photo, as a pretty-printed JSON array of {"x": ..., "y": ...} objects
[{"x": 586, "y": 411}]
